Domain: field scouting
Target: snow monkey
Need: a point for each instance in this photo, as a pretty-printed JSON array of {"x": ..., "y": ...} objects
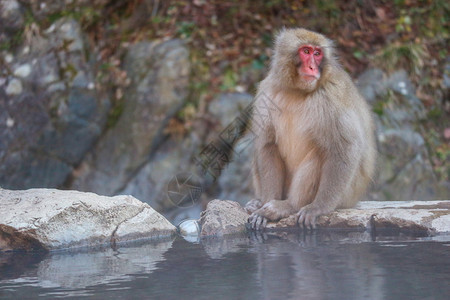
[{"x": 315, "y": 153}]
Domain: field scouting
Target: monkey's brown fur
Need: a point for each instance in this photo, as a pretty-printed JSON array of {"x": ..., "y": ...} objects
[{"x": 316, "y": 151}]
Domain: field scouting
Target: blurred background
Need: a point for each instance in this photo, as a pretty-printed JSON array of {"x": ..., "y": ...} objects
[{"x": 133, "y": 96}]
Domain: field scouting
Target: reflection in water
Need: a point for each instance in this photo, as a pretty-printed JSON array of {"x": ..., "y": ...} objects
[
  {"x": 78, "y": 270},
  {"x": 324, "y": 265}
]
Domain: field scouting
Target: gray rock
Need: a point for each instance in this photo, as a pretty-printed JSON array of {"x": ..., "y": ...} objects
[
  {"x": 371, "y": 84},
  {"x": 422, "y": 217},
  {"x": 403, "y": 166},
  {"x": 407, "y": 107},
  {"x": 11, "y": 16},
  {"x": 223, "y": 217},
  {"x": 56, "y": 116},
  {"x": 446, "y": 76},
  {"x": 228, "y": 106},
  {"x": 231, "y": 112},
  {"x": 159, "y": 78},
  {"x": 404, "y": 171},
  {"x": 150, "y": 184},
  {"x": 235, "y": 182},
  {"x": 53, "y": 219},
  {"x": 14, "y": 87}
]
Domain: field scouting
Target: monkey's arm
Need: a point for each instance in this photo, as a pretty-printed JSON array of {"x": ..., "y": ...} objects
[
  {"x": 268, "y": 174},
  {"x": 269, "y": 169}
]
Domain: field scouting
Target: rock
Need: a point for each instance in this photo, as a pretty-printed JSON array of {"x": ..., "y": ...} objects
[
  {"x": 173, "y": 158},
  {"x": 371, "y": 84},
  {"x": 49, "y": 219},
  {"x": 14, "y": 87},
  {"x": 56, "y": 114},
  {"x": 398, "y": 126},
  {"x": 234, "y": 182},
  {"x": 446, "y": 76},
  {"x": 222, "y": 217},
  {"x": 420, "y": 217},
  {"x": 11, "y": 16},
  {"x": 159, "y": 80},
  {"x": 227, "y": 107},
  {"x": 23, "y": 70}
]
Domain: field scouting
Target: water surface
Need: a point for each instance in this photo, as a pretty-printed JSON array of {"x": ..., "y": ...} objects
[{"x": 324, "y": 265}]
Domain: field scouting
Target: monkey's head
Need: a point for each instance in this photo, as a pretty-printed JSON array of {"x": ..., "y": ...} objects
[{"x": 302, "y": 59}]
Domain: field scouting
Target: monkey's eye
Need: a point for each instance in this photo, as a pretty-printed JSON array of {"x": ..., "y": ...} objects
[
  {"x": 306, "y": 50},
  {"x": 316, "y": 53}
]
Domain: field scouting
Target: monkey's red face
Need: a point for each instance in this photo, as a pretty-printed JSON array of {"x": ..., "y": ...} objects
[{"x": 310, "y": 58}]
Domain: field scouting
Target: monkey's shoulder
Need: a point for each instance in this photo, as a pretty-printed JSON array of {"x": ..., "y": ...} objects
[{"x": 343, "y": 90}]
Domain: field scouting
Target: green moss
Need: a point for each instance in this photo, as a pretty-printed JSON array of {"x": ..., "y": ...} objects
[
  {"x": 230, "y": 80},
  {"x": 115, "y": 113},
  {"x": 434, "y": 113},
  {"x": 87, "y": 16},
  {"x": 185, "y": 29},
  {"x": 5, "y": 46},
  {"x": 378, "y": 108},
  {"x": 69, "y": 72}
]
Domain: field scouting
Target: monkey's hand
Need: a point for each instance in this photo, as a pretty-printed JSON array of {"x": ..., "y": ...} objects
[
  {"x": 253, "y": 205},
  {"x": 271, "y": 211},
  {"x": 307, "y": 216}
]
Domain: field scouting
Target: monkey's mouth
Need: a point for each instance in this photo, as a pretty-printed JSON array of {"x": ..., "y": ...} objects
[{"x": 309, "y": 77}]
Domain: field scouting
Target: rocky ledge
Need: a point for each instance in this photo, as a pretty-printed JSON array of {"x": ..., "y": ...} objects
[
  {"x": 48, "y": 219},
  {"x": 419, "y": 217}
]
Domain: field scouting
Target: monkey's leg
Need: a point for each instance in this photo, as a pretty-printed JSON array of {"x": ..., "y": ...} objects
[
  {"x": 301, "y": 191},
  {"x": 335, "y": 178},
  {"x": 305, "y": 183},
  {"x": 270, "y": 172}
]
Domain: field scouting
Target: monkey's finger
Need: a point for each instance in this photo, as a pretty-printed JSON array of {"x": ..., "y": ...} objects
[
  {"x": 255, "y": 221},
  {"x": 313, "y": 223},
  {"x": 308, "y": 225},
  {"x": 252, "y": 221},
  {"x": 259, "y": 220},
  {"x": 264, "y": 224},
  {"x": 301, "y": 220}
]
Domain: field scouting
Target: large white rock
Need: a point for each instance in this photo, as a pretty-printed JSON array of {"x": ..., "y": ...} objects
[{"x": 53, "y": 219}]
